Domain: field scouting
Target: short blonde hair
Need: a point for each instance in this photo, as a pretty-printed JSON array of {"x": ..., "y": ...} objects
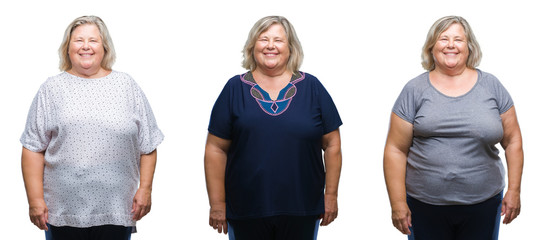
[
  {"x": 109, "y": 51},
  {"x": 441, "y": 25},
  {"x": 296, "y": 55}
]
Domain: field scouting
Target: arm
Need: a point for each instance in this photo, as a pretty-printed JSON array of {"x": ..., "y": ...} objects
[
  {"x": 215, "y": 162},
  {"x": 333, "y": 165},
  {"x": 141, "y": 204},
  {"x": 32, "y": 164},
  {"x": 513, "y": 150},
  {"x": 396, "y": 150}
]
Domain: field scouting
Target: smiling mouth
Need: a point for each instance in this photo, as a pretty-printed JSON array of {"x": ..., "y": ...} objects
[{"x": 271, "y": 54}]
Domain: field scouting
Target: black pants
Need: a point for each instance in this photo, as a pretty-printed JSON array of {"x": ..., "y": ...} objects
[
  {"x": 104, "y": 232},
  {"x": 275, "y": 228},
  {"x": 457, "y": 222}
]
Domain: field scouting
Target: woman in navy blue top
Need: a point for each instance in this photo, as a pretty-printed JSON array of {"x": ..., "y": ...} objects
[{"x": 264, "y": 167}]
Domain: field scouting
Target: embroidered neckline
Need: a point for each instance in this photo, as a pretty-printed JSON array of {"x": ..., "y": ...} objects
[{"x": 269, "y": 106}]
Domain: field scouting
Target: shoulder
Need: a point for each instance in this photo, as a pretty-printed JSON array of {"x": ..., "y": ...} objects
[
  {"x": 308, "y": 79},
  {"x": 410, "y": 98},
  {"x": 308, "y": 76},
  {"x": 486, "y": 75},
  {"x": 310, "y": 84},
  {"x": 123, "y": 81},
  {"x": 420, "y": 82},
  {"x": 304, "y": 76},
  {"x": 238, "y": 79},
  {"x": 56, "y": 81},
  {"x": 489, "y": 80},
  {"x": 115, "y": 73},
  {"x": 490, "y": 84},
  {"x": 235, "y": 84},
  {"x": 416, "y": 86},
  {"x": 121, "y": 76},
  {"x": 415, "y": 89},
  {"x": 59, "y": 78}
]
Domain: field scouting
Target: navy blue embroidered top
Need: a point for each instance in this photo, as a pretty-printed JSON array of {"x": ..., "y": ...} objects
[{"x": 274, "y": 164}]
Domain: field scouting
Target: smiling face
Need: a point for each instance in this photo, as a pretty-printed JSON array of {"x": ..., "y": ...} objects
[
  {"x": 451, "y": 49},
  {"x": 271, "y": 50},
  {"x": 86, "y": 50}
]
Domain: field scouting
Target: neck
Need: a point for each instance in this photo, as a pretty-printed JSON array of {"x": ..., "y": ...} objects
[
  {"x": 452, "y": 72},
  {"x": 270, "y": 74},
  {"x": 272, "y": 83},
  {"x": 89, "y": 73},
  {"x": 453, "y": 85}
]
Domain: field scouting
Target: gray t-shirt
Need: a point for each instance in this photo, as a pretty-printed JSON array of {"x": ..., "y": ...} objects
[
  {"x": 453, "y": 159},
  {"x": 93, "y": 132}
]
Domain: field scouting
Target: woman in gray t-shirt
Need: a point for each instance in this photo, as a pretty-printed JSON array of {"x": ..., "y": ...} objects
[{"x": 443, "y": 173}]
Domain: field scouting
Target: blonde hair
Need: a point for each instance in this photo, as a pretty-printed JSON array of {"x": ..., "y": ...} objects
[
  {"x": 296, "y": 56},
  {"x": 441, "y": 25},
  {"x": 109, "y": 51}
]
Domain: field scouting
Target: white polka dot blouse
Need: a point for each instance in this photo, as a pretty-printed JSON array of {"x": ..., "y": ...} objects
[{"x": 92, "y": 133}]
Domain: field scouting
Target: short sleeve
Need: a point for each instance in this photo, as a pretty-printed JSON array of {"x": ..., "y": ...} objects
[
  {"x": 221, "y": 116},
  {"x": 404, "y": 106},
  {"x": 503, "y": 98},
  {"x": 149, "y": 134},
  {"x": 329, "y": 114},
  {"x": 36, "y": 135}
]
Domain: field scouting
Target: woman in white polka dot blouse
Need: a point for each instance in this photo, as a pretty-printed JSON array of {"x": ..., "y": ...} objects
[{"x": 89, "y": 145}]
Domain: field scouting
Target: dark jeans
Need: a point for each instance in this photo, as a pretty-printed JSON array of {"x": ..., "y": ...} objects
[
  {"x": 456, "y": 222},
  {"x": 104, "y": 232},
  {"x": 274, "y": 228}
]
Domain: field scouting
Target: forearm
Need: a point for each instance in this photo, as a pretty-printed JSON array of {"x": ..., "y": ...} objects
[
  {"x": 512, "y": 143},
  {"x": 333, "y": 166},
  {"x": 511, "y": 203},
  {"x": 215, "y": 162},
  {"x": 394, "y": 167},
  {"x": 397, "y": 147},
  {"x": 514, "y": 161},
  {"x": 148, "y": 163},
  {"x": 32, "y": 165},
  {"x": 214, "y": 166}
]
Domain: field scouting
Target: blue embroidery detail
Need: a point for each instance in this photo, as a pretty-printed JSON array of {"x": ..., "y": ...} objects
[
  {"x": 274, "y": 107},
  {"x": 268, "y": 105}
]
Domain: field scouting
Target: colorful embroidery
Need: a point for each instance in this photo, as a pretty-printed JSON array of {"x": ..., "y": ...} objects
[{"x": 269, "y": 106}]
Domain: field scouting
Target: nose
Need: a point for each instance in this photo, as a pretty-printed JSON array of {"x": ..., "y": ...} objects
[
  {"x": 450, "y": 43},
  {"x": 86, "y": 45},
  {"x": 270, "y": 44}
]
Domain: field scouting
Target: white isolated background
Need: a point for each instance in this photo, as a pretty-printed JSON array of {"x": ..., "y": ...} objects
[{"x": 183, "y": 52}]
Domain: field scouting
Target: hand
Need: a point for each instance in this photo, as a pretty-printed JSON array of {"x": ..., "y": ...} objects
[
  {"x": 402, "y": 218},
  {"x": 331, "y": 210},
  {"x": 38, "y": 213},
  {"x": 141, "y": 204},
  {"x": 511, "y": 206},
  {"x": 218, "y": 218}
]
